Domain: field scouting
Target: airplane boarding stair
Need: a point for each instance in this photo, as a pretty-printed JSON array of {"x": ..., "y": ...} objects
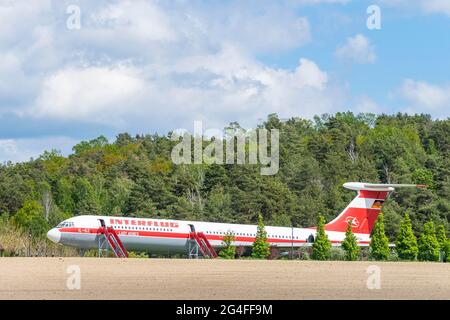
[
  {"x": 114, "y": 241},
  {"x": 203, "y": 244}
]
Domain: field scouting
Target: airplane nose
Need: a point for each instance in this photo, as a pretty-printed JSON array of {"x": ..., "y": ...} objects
[{"x": 54, "y": 235}]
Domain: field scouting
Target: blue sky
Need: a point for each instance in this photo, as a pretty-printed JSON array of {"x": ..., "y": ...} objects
[{"x": 155, "y": 66}]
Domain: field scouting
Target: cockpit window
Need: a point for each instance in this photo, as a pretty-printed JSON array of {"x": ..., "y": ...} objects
[{"x": 65, "y": 224}]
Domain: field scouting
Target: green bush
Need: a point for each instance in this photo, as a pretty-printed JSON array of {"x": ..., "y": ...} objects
[
  {"x": 379, "y": 244},
  {"x": 304, "y": 253},
  {"x": 229, "y": 250},
  {"x": 447, "y": 251},
  {"x": 138, "y": 255},
  {"x": 30, "y": 218},
  {"x": 364, "y": 254},
  {"x": 406, "y": 243},
  {"x": 91, "y": 253},
  {"x": 350, "y": 244},
  {"x": 393, "y": 256},
  {"x": 337, "y": 254},
  {"x": 442, "y": 239},
  {"x": 428, "y": 243},
  {"x": 322, "y": 245},
  {"x": 261, "y": 247}
]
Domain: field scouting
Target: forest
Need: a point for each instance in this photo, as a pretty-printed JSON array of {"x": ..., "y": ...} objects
[{"x": 135, "y": 176}]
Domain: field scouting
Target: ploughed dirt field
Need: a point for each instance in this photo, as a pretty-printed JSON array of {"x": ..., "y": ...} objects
[{"x": 48, "y": 278}]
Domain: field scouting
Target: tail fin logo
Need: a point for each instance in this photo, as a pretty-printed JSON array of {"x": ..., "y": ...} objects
[{"x": 353, "y": 220}]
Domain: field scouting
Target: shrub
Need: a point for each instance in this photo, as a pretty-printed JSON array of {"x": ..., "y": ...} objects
[
  {"x": 406, "y": 243},
  {"x": 304, "y": 253},
  {"x": 322, "y": 246},
  {"x": 379, "y": 244},
  {"x": 428, "y": 243},
  {"x": 138, "y": 255},
  {"x": 261, "y": 247},
  {"x": 350, "y": 244},
  {"x": 442, "y": 239},
  {"x": 393, "y": 256},
  {"x": 338, "y": 254},
  {"x": 229, "y": 250},
  {"x": 447, "y": 251}
]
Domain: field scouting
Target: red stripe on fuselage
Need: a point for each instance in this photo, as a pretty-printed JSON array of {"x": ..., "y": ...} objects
[
  {"x": 177, "y": 235},
  {"x": 160, "y": 234},
  {"x": 140, "y": 233}
]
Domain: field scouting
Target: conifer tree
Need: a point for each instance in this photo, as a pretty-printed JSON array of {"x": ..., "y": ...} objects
[
  {"x": 261, "y": 247},
  {"x": 379, "y": 244},
  {"x": 406, "y": 243},
  {"x": 428, "y": 243},
  {"x": 447, "y": 251},
  {"x": 350, "y": 244},
  {"x": 442, "y": 239},
  {"x": 321, "y": 248},
  {"x": 229, "y": 250}
]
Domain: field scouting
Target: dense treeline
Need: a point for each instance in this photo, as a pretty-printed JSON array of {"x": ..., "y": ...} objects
[{"x": 134, "y": 176}]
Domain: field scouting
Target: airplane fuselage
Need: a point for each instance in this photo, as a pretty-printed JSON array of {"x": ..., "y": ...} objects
[{"x": 158, "y": 235}]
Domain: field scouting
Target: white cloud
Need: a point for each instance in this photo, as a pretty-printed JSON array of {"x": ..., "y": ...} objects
[
  {"x": 357, "y": 48},
  {"x": 216, "y": 88},
  {"x": 8, "y": 147},
  {"x": 309, "y": 74},
  {"x": 437, "y": 6},
  {"x": 92, "y": 94},
  {"x": 19, "y": 17},
  {"x": 425, "y": 97},
  {"x": 19, "y": 150},
  {"x": 315, "y": 2},
  {"x": 365, "y": 104},
  {"x": 426, "y": 6},
  {"x": 137, "y": 19},
  {"x": 275, "y": 28},
  {"x": 234, "y": 86},
  {"x": 147, "y": 66},
  {"x": 195, "y": 27}
]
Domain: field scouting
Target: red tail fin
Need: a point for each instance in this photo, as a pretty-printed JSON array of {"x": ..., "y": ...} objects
[
  {"x": 365, "y": 208},
  {"x": 362, "y": 211}
]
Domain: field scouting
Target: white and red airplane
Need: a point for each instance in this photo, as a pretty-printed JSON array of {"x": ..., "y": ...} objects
[{"x": 172, "y": 236}]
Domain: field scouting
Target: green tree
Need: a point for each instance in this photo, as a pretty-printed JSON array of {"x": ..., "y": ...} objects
[
  {"x": 64, "y": 195},
  {"x": 447, "y": 251},
  {"x": 379, "y": 243},
  {"x": 428, "y": 243},
  {"x": 118, "y": 195},
  {"x": 261, "y": 247},
  {"x": 96, "y": 143},
  {"x": 219, "y": 206},
  {"x": 321, "y": 249},
  {"x": 229, "y": 250},
  {"x": 350, "y": 244},
  {"x": 441, "y": 237},
  {"x": 443, "y": 242},
  {"x": 423, "y": 176},
  {"x": 406, "y": 243},
  {"x": 31, "y": 219},
  {"x": 86, "y": 197}
]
